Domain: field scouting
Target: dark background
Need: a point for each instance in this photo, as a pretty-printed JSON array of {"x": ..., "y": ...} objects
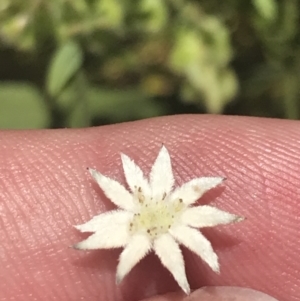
[{"x": 91, "y": 62}]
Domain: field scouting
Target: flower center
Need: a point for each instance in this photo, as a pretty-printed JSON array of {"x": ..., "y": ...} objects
[{"x": 155, "y": 217}]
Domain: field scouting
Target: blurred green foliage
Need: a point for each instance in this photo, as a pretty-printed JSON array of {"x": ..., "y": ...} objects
[{"x": 86, "y": 62}]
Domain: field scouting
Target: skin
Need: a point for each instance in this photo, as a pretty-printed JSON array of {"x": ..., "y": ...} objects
[{"x": 45, "y": 189}]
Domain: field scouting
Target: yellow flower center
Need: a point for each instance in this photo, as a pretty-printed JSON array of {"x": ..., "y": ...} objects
[{"x": 155, "y": 217}]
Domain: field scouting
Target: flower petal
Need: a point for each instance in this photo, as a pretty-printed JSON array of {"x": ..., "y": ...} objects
[
  {"x": 196, "y": 242},
  {"x": 137, "y": 248},
  {"x": 171, "y": 257},
  {"x": 111, "y": 231},
  {"x": 114, "y": 191},
  {"x": 207, "y": 216},
  {"x": 134, "y": 176},
  {"x": 193, "y": 190},
  {"x": 106, "y": 221},
  {"x": 161, "y": 176}
]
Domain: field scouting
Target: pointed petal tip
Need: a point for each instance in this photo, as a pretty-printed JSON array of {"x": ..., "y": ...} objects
[
  {"x": 76, "y": 246},
  {"x": 163, "y": 148},
  {"x": 118, "y": 279},
  {"x": 91, "y": 171},
  {"x": 239, "y": 219},
  {"x": 81, "y": 228},
  {"x": 216, "y": 268},
  {"x": 125, "y": 160},
  {"x": 82, "y": 246},
  {"x": 217, "y": 181},
  {"x": 186, "y": 289},
  {"x": 214, "y": 264},
  {"x": 123, "y": 156},
  {"x": 77, "y": 227}
]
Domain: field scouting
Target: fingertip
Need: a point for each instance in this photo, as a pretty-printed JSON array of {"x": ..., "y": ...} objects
[
  {"x": 221, "y": 293},
  {"x": 228, "y": 293}
]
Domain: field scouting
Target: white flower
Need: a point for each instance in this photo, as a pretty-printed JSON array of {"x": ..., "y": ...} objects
[{"x": 155, "y": 216}]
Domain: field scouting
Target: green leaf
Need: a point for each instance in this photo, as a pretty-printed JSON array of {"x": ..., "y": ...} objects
[
  {"x": 84, "y": 104},
  {"x": 79, "y": 113},
  {"x": 157, "y": 14},
  {"x": 188, "y": 50},
  {"x": 22, "y": 107},
  {"x": 65, "y": 63},
  {"x": 122, "y": 105},
  {"x": 110, "y": 12},
  {"x": 266, "y": 8}
]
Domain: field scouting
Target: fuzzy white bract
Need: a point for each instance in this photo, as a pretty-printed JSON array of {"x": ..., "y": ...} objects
[{"x": 154, "y": 215}]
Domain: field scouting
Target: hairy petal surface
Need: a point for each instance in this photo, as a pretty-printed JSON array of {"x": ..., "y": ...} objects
[
  {"x": 191, "y": 191},
  {"x": 137, "y": 248},
  {"x": 168, "y": 251},
  {"x": 134, "y": 175},
  {"x": 112, "y": 234},
  {"x": 161, "y": 175},
  {"x": 114, "y": 191},
  {"x": 109, "y": 221},
  {"x": 196, "y": 242},
  {"x": 207, "y": 216}
]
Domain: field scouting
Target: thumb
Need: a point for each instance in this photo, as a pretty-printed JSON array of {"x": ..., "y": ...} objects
[{"x": 217, "y": 293}]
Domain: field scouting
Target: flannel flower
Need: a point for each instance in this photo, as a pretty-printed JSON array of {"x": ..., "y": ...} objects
[{"x": 155, "y": 216}]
